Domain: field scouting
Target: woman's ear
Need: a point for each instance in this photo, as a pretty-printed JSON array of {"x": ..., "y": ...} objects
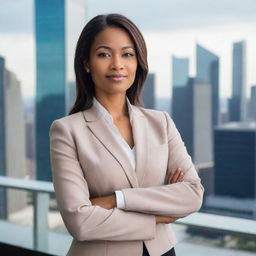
[{"x": 86, "y": 66}]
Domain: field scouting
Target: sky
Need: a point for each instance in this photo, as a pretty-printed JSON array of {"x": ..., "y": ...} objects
[{"x": 170, "y": 27}]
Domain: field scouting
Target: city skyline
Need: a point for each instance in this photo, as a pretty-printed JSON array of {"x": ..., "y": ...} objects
[{"x": 216, "y": 34}]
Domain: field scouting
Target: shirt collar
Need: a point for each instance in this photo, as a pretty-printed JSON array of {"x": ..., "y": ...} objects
[{"x": 106, "y": 115}]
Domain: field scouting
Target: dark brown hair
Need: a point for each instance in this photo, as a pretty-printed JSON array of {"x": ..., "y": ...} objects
[{"x": 84, "y": 84}]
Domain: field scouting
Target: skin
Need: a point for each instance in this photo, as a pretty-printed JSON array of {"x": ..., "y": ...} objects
[{"x": 113, "y": 52}]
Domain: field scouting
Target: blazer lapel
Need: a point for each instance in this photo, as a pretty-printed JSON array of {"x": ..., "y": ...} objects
[
  {"x": 102, "y": 132},
  {"x": 140, "y": 136}
]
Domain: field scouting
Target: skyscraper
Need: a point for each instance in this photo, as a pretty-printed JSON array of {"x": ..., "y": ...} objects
[
  {"x": 2, "y": 117},
  {"x": 180, "y": 93},
  {"x": 180, "y": 75},
  {"x": 3, "y": 212},
  {"x": 57, "y": 27},
  {"x": 180, "y": 71},
  {"x": 12, "y": 139},
  {"x": 148, "y": 93},
  {"x": 235, "y": 160},
  {"x": 253, "y": 103},
  {"x": 235, "y": 171},
  {"x": 181, "y": 100},
  {"x": 50, "y": 76},
  {"x": 15, "y": 140},
  {"x": 237, "y": 103},
  {"x": 192, "y": 116},
  {"x": 207, "y": 70},
  {"x": 71, "y": 97}
]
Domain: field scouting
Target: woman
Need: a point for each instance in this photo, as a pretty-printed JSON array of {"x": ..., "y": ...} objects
[{"x": 121, "y": 172}]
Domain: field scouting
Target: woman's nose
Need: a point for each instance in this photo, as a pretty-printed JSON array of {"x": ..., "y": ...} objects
[{"x": 117, "y": 63}]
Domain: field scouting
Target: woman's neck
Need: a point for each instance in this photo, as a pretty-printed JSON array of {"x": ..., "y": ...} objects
[{"x": 115, "y": 105}]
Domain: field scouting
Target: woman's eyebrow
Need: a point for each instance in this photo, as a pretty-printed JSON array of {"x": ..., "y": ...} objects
[
  {"x": 105, "y": 47},
  {"x": 127, "y": 47},
  {"x": 109, "y": 48}
]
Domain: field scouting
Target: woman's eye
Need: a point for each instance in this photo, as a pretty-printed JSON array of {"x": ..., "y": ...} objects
[
  {"x": 128, "y": 54},
  {"x": 103, "y": 54}
]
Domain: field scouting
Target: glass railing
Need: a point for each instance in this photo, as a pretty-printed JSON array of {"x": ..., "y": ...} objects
[{"x": 39, "y": 226}]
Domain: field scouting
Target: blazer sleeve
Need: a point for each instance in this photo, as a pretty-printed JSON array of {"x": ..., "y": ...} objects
[
  {"x": 174, "y": 200},
  {"x": 83, "y": 220}
]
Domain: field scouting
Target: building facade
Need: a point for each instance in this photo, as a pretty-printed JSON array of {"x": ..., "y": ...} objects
[
  {"x": 12, "y": 140},
  {"x": 238, "y": 102},
  {"x": 235, "y": 171},
  {"x": 180, "y": 71},
  {"x": 56, "y": 37},
  {"x": 191, "y": 112},
  {"x": 3, "y": 209},
  {"x": 148, "y": 92},
  {"x": 235, "y": 160},
  {"x": 253, "y": 103},
  {"x": 207, "y": 70},
  {"x": 50, "y": 77},
  {"x": 15, "y": 141}
]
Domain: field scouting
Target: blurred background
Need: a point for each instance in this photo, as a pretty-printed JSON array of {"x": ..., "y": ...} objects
[{"x": 202, "y": 71}]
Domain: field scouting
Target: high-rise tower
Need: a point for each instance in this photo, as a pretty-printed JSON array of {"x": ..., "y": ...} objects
[
  {"x": 207, "y": 70},
  {"x": 58, "y": 24}
]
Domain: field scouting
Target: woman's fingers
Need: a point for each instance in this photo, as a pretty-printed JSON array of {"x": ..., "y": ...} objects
[
  {"x": 173, "y": 176},
  {"x": 165, "y": 219},
  {"x": 170, "y": 177},
  {"x": 176, "y": 176},
  {"x": 180, "y": 178}
]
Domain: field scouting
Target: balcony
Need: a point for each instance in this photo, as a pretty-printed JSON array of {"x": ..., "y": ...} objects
[{"x": 39, "y": 228}]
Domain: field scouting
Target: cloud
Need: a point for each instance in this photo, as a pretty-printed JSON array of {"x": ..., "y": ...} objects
[
  {"x": 166, "y": 15},
  {"x": 16, "y": 17}
]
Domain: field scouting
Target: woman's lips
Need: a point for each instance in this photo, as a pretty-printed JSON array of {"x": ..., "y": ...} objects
[{"x": 116, "y": 77}]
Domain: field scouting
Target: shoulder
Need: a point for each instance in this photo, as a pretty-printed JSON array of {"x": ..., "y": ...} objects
[
  {"x": 69, "y": 122},
  {"x": 159, "y": 119},
  {"x": 154, "y": 115}
]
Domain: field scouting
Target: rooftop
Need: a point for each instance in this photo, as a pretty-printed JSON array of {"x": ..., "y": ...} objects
[{"x": 237, "y": 126}]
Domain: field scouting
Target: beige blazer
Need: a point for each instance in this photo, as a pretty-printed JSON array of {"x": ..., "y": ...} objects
[{"x": 87, "y": 161}]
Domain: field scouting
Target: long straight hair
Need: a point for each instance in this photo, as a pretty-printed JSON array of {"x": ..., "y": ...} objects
[{"x": 84, "y": 85}]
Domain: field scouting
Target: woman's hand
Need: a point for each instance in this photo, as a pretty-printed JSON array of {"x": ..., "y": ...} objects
[
  {"x": 107, "y": 202},
  {"x": 176, "y": 176},
  {"x": 165, "y": 219}
]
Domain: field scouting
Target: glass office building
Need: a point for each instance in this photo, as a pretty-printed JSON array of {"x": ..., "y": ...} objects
[
  {"x": 237, "y": 104},
  {"x": 182, "y": 101},
  {"x": 180, "y": 71},
  {"x": 191, "y": 111},
  {"x": 192, "y": 116},
  {"x": 207, "y": 70},
  {"x": 253, "y": 103},
  {"x": 57, "y": 27},
  {"x": 50, "y": 76},
  {"x": 2, "y": 138},
  {"x": 148, "y": 92},
  {"x": 235, "y": 160},
  {"x": 2, "y": 117}
]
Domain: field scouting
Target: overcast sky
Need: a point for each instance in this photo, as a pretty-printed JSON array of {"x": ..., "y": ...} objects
[{"x": 170, "y": 27}]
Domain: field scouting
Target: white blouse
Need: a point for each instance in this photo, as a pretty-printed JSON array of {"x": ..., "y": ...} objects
[{"x": 130, "y": 152}]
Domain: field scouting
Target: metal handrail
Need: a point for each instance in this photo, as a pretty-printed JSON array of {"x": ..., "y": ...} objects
[{"x": 42, "y": 189}]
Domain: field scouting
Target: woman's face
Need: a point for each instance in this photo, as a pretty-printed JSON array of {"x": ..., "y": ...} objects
[{"x": 112, "y": 62}]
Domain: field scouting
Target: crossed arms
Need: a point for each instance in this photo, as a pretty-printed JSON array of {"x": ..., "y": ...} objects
[
  {"x": 109, "y": 202},
  {"x": 86, "y": 219}
]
